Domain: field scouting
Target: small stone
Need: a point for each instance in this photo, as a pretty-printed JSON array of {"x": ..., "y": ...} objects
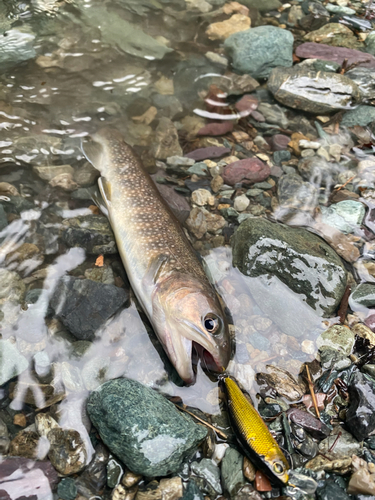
[
  {"x": 360, "y": 416},
  {"x": 257, "y": 51},
  {"x": 365, "y": 332},
  {"x": 361, "y": 116},
  {"x": 67, "y": 489},
  {"x": 202, "y": 197},
  {"x": 130, "y": 479},
  {"x": 180, "y": 161},
  {"x": 334, "y": 34},
  {"x": 164, "y": 86},
  {"x": 25, "y": 444},
  {"x": 86, "y": 175},
  {"x": 20, "y": 419},
  {"x": 222, "y": 30},
  {"x": 7, "y": 189},
  {"x": 308, "y": 346},
  {"x": 279, "y": 142},
  {"x": 114, "y": 473},
  {"x": 345, "y": 444},
  {"x": 249, "y": 470},
  {"x": 171, "y": 489},
  {"x": 12, "y": 363},
  {"x": 216, "y": 183},
  {"x": 67, "y": 451},
  {"x": 91, "y": 232},
  {"x": 305, "y": 144},
  {"x": 216, "y": 128},
  {"x": 363, "y": 296},
  {"x": 217, "y": 58},
  {"x": 196, "y": 222},
  {"x": 44, "y": 423},
  {"x": 4, "y": 438},
  {"x": 249, "y": 171},
  {"x": 47, "y": 173},
  {"x": 208, "y": 471},
  {"x": 232, "y": 471},
  {"x": 283, "y": 382},
  {"x": 64, "y": 181},
  {"x": 210, "y": 152},
  {"x": 361, "y": 483},
  {"x": 166, "y": 140},
  {"x": 241, "y": 203},
  {"x": 338, "y": 54},
  {"x": 337, "y": 337}
]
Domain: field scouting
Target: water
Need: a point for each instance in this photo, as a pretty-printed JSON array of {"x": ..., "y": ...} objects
[{"x": 70, "y": 68}]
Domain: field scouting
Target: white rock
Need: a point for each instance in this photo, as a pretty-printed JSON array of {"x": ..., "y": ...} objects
[
  {"x": 219, "y": 452},
  {"x": 304, "y": 144},
  {"x": 241, "y": 203},
  {"x": 202, "y": 197},
  {"x": 308, "y": 347}
]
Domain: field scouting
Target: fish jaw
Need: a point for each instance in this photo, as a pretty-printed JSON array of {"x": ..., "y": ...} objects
[{"x": 178, "y": 309}]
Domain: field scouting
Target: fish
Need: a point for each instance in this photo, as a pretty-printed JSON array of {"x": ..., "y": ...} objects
[
  {"x": 253, "y": 435},
  {"x": 186, "y": 312}
]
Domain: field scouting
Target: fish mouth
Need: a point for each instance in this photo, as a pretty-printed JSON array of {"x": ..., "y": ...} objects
[{"x": 208, "y": 361}]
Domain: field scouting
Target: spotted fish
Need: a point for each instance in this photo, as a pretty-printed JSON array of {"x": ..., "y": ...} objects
[{"x": 162, "y": 267}]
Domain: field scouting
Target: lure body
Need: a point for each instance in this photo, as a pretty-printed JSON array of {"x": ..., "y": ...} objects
[{"x": 254, "y": 436}]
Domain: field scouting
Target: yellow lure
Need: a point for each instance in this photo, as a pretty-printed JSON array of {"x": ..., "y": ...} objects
[{"x": 254, "y": 436}]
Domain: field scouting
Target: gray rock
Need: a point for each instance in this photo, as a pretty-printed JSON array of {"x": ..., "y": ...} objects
[
  {"x": 273, "y": 114},
  {"x": 232, "y": 471},
  {"x": 48, "y": 172},
  {"x": 298, "y": 258},
  {"x": 345, "y": 446},
  {"x": 84, "y": 305},
  {"x": 3, "y": 218},
  {"x": 293, "y": 192},
  {"x": 360, "y": 416},
  {"x": 335, "y": 345},
  {"x": 311, "y": 91},
  {"x": 257, "y": 51},
  {"x": 12, "y": 363},
  {"x": 262, "y": 6},
  {"x": 210, "y": 472},
  {"x": 86, "y": 174},
  {"x": 67, "y": 489},
  {"x": 91, "y": 232},
  {"x": 363, "y": 296},
  {"x": 328, "y": 490},
  {"x": 362, "y": 116},
  {"x": 168, "y": 105},
  {"x": 4, "y": 438},
  {"x": 370, "y": 43},
  {"x": 144, "y": 430},
  {"x": 365, "y": 79}
]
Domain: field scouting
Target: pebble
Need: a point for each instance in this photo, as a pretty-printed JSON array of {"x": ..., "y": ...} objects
[
  {"x": 217, "y": 59},
  {"x": 67, "y": 489},
  {"x": 360, "y": 416},
  {"x": 180, "y": 161},
  {"x": 282, "y": 382},
  {"x": 64, "y": 181},
  {"x": 249, "y": 171},
  {"x": 209, "y": 152},
  {"x": 208, "y": 471},
  {"x": 202, "y": 197},
  {"x": 222, "y": 30},
  {"x": 67, "y": 451},
  {"x": 166, "y": 142},
  {"x": 86, "y": 175},
  {"x": 362, "y": 297},
  {"x": 91, "y": 232},
  {"x": 241, "y": 203},
  {"x": 232, "y": 471},
  {"x": 48, "y": 172},
  {"x": 344, "y": 444},
  {"x": 26, "y": 444}
]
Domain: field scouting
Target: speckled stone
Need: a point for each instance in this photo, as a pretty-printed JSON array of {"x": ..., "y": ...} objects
[
  {"x": 363, "y": 296},
  {"x": 144, "y": 430},
  {"x": 345, "y": 215},
  {"x": 232, "y": 471}
]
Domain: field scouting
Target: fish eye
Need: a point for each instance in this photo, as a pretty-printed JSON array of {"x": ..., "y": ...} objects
[
  {"x": 278, "y": 468},
  {"x": 211, "y": 323}
]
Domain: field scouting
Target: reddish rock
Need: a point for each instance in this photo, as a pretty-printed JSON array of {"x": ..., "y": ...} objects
[
  {"x": 278, "y": 142},
  {"x": 248, "y": 171},
  {"x": 210, "y": 152},
  {"x": 311, "y": 50},
  {"x": 258, "y": 116},
  {"x": 246, "y": 105},
  {"x": 370, "y": 320},
  {"x": 23, "y": 478},
  {"x": 216, "y": 128}
]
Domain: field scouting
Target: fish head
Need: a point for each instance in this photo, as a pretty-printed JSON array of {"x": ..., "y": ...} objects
[
  {"x": 189, "y": 321},
  {"x": 278, "y": 465}
]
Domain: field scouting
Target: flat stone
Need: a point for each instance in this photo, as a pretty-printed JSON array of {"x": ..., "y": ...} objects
[
  {"x": 248, "y": 171},
  {"x": 257, "y": 51},
  {"x": 48, "y": 172},
  {"x": 208, "y": 471},
  {"x": 232, "y": 471},
  {"x": 180, "y": 161},
  {"x": 345, "y": 444},
  {"x": 143, "y": 429},
  {"x": 67, "y": 451},
  {"x": 346, "y": 216},
  {"x": 312, "y": 50},
  {"x": 263, "y": 5},
  {"x": 314, "y": 92},
  {"x": 86, "y": 175},
  {"x": 335, "y": 34},
  {"x": 216, "y": 128},
  {"x": 365, "y": 79},
  {"x": 360, "y": 416},
  {"x": 84, "y": 305},
  {"x": 210, "y": 152}
]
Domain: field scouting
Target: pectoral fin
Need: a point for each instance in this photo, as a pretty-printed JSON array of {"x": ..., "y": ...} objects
[
  {"x": 93, "y": 152},
  {"x": 153, "y": 271}
]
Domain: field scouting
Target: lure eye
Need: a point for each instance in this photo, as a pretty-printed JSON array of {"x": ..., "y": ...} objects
[
  {"x": 278, "y": 468},
  {"x": 211, "y": 323}
]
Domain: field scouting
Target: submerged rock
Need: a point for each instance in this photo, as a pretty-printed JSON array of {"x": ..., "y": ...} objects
[
  {"x": 257, "y": 51},
  {"x": 363, "y": 296},
  {"x": 312, "y": 50},
  {"x": 315, "y": 92},
  {"x": 210, "y": 473},
  {"x": 166, "y": 140},
  {"x": 362, "y": 116},
  {"x": 296, "y": 257},
  {"x": 67, "y": 451},
  {"x": 248, "y": 171},
  {"x": 84, "y": 305},
  {"x": 232, "y": 471},
  {"x": 142, "y": 428},
  {"x": 91, "y": 232},
  {"x": 360, "y": 417},
  {"x": 12, "y": 363}
]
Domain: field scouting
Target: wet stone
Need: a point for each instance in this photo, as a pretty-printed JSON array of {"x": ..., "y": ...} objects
[
  {"x": 232, "y": 471},
  {"x": 91, "y": 232},
  {"x": 248, "y": 171},
  {"x": 294, "y": 192},
  {"x": 208, "y": 471},
  {"x": 365, "y": 79},
  {"x": 345, "y": 215},
  {"x": 322, "y": 269},
  {"x": 12, "y": 362},
  {"x": 330, "y": 490},
  {"x": 338, "y": 338},
  {"x": 306, "y": 90},
  {"x": 363, "y": 296},
  {"x": 345, "y": 445},
  {"x": 362, "y": 116},
  {"x": 360, "y": 416},
  {"x": 25, "y": 444},
  {"x": 164, "y": 437},
  {"x": 67, "y": 451},
  {"x": 312, "y": 425},
  {"x": 114, "y": 473},
  {"x": 84, "y": 305},
  {"x": 210, "y": 152},
  {"x": 338, "y": 54},
  {"x": 192, "y": 492},
  {"x": 166, "y": 140},
  {"x": 257, "y": 51},
  {"x": 67, "y": 489}
]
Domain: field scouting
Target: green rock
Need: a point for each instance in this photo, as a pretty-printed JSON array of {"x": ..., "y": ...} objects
[
  {"x": 192, "y": 492},
  {"x": 208, "y": 471},
  {"x": 280, "y": 156},
  {"x": 262, "y": 5},
  {"x": 114, "y": 473},
  {"x": 370, "y": 43},
  {"x": 363, "y": 296},
  {"x": 299, "y": 259},
  {"x": 12, "y": 363},
  {"x": 67, "y": 489},
  {"x": 257, "y": 51},
  {"x": 262, "y": 185},
  {"x": 341, "y": 11},
  {"x": 198, "y": 169},
  {"x": 335, "y": 345},
  {"x": 345, "y": 215},
  {"x": 143, "y": 429},
  {"x": 322, "y": 65},
  {"x": 362, "y": 116},
  {"x": 232, "y": 471}
]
